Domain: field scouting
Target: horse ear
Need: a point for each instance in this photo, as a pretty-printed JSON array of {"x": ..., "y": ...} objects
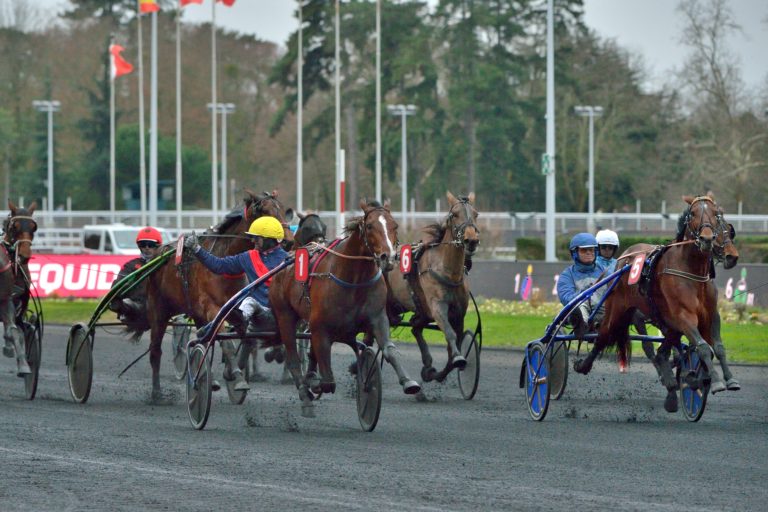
[
  {"x": 471, "y": 197},
  {"x": 363, "y": 204},
  {"x": 386, "y": 204},
  {"x": 31, "y": 208},
  {"x": 11, "y": 206},
  {"x": 451, "y": 198},
  {"x": 274, "y": 193},
  {"x": 688, "y": 199},
  {"x": 250, "y": 193}
]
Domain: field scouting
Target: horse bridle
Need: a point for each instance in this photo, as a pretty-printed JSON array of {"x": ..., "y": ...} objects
[
  {"x": 258, "y": 207},
  {"x": 13, "y": 233},
  {"x": 458, "y": 231},
  {"x": 364, "y": 236},
  {"x": 696, "y": 235}
]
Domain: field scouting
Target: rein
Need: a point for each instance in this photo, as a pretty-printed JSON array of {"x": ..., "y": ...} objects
[{"x": 318, "y": 246}]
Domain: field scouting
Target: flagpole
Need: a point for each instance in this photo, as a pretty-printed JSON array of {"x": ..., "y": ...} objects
[
  {"x": 214, "y": 130},
  {"x": 142, "y": 149},
  {"x": 178, "y": 119},
  {"x": 153, "y": 128},
  {"x": 111, "y": 137},
  {"x": 299, "y": 122}
]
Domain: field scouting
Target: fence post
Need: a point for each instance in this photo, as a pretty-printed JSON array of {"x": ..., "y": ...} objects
[
  {"x": 741, "y": 204},
  {"x": 637, "y": 210},
  {"x": 663, "y": 215}
]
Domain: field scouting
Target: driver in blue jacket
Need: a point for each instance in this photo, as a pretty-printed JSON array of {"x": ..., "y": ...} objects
[{"x": 578, "y": 277}]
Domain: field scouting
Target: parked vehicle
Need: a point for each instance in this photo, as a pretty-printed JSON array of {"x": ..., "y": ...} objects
[{"x": 114, "y": 239}]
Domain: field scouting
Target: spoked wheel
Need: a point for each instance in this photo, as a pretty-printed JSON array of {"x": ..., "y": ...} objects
[
  {"x": 469, "y": 377},
  {"x": 80, "y": 362},
  {"x": 237, "y": 397},
  {"x": 558, "y": 368},
  {"x": 537, "y": 388},
  {"x": 34, "y": 349},
  {"x": 693, "y": 397},
  {"x": 368, "y": 389},
  {"x": 199, "y": 380},
  {"x": 181, "y": 334}
]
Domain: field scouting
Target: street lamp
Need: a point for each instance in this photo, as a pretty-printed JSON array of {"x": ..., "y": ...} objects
[
  {"x": 403, "y": 111},
  {"x": 591, "y": 112},
  {"x": 49, "y": 106},
  {"x": 223, "y": 109}
]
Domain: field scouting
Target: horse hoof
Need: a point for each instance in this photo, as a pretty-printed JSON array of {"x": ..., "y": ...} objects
[
  {"x": 732, "y": 385},
  {"x": 670, "y": 403},
  {"x": 428, "y": 373},
  {"x": 580, "y": 367},
  {"x": 308, "y": 410},
  {"x": 411, "y": 387},
  {"x": 215, "y": 385},
  {"x": 717, "y": 386},
  {"x": 279, "y": 355},
  {"x": 459, "y": 362},
  {"x": 328, "y": 387}
]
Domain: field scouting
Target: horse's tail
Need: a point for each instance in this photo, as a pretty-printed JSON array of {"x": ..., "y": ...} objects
[
  {"x": 624, "y": 349},
  {"x": 135, "y": 328}
]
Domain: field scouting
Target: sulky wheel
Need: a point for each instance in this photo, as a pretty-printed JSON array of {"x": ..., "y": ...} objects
[
  {"x": 368, "y": 389},
  {"x": 34, "y": 349},
  {"x": 181, "y": 334},
  {"x": 537, "y": 387},
  {"x": 469, "y": 377},
  {"x": 558, "y": 368},
  {"x": 80, "y": 362},
  {"x": 199, "y": 381},
  {"x": 693, "y": 390}
]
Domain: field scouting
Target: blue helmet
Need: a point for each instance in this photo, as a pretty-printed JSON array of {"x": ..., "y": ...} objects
[{"x": 581, "y": 240}]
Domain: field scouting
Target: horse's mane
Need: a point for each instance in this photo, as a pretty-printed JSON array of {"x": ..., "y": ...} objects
[
  {"x": 235, "y": 215},
  {"x": 681, "y": 226},
  {"x": 355, "y": 222},
  {"x": 435, "y": 232}
]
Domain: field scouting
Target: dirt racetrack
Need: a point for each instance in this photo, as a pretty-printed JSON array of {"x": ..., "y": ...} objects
[{"x": 606, "y": 445}]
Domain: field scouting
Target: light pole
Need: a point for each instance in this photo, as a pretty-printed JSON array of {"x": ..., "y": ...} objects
[
  {"x": 591, "y": 112},
  {"x": 49, "y": 106},
  {"x": 403, "y": 111},
  {"x": 224, "y": 109}
]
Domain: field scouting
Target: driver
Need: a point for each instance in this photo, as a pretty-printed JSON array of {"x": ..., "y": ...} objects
[
  {"x": 578, "y": 277},
  {"x": 607, "y": 247},
  {"x": 132, "y": 307}
]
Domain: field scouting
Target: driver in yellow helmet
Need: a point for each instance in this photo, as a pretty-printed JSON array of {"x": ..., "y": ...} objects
[{"x": 267, "y": 253}]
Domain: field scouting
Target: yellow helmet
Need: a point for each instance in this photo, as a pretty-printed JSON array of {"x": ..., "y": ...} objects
[{"x": 268, "y": 227}]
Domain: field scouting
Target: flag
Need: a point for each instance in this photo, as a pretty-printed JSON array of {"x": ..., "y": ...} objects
[
  {"x": 118, "y": 65},
  {"x": 228, "y": 3},
  {"x": 146, "y": 6},
  {"x": 187, "y": 2}
]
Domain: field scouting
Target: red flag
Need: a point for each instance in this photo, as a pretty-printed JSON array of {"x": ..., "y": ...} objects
[
  {"x": 147, "y": 6},
  {"x": 118, "y": 65},
  {"x": 228, "y": 3},
  {"x": 187, "y": 2}
]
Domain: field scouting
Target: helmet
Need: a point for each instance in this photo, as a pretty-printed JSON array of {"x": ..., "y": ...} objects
[
  {"x": 582, "y": 240},
  {"x": 268, "y": 227},
  {"x": 607, "y": 237},
  {"x": 149, "y": 234}
]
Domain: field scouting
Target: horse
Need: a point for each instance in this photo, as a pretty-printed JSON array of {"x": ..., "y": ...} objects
[
  {"x": 193, "y": 290},
  {"x": 347, "y": 296},
  {"x": 677, "y": 296},
  {"x": 15, "y": 251},
  {"x": 435, "y": 289}
]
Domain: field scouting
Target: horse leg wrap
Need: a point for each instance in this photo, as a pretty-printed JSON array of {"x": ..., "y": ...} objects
[
  {"x": 705, "y": 354},
  {"x": 730, "y": 383}
]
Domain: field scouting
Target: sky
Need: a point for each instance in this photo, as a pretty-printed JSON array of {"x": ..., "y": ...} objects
[{"x": 650, "y": 28}]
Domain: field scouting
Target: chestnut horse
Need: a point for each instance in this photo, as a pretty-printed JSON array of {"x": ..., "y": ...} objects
[
  {"x": 435, "y": 289},
  {"x": 679, "y": 300},
  {"x": 193, "y": 290},
  {"x": 16, "y": 250},
  {"x": 347, "y": 296}
]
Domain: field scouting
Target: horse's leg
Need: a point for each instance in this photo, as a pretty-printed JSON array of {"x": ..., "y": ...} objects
[
  {"x": 157, "y": 331},
  {"x": 321, "y": 345},
  {"x": 691, "y": 330},
  {"x": 428, "y": 371},
  {"x": 14, "y": 337},
  {"x": 730, "y": 382},
  {"x": 456, "y": 322},
  {"x": 664, "y": 369},
  {"x": 380, "y": 329},
  {"x": 440, "y": 312},
  {"x": 287, "y": 321},
  {"x": 615, "y": 324}
]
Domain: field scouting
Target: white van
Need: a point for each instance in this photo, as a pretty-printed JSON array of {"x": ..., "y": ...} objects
[{"x": 114, "y": 239}]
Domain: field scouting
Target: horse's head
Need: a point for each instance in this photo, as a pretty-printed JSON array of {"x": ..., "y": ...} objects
[
  {"x": 724, "y": 249},
  {"x": 311, "y": 229},
  {"x": 379, "y": 233},
  {"x": 19, "y": 228},
  {"x": 699, "y": 222},
  {"x": 461, "y": 221},
  {"x": 259, "y": 205}
]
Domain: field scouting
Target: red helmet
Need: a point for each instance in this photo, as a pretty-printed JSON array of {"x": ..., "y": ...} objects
[{"x": 149, "y": 234}]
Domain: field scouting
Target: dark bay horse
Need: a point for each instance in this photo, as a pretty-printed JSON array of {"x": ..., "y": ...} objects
[
  {"x": 435, "y": 289},
  {"x": 15, "y": 251},
  {"x": 193, "y": 290},
  {"x": 346, "y": 296},
  {"x": 678, "y": 296}
]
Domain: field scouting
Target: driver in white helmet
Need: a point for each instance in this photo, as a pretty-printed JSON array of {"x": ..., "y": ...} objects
[{"x": 607, "y": 249}]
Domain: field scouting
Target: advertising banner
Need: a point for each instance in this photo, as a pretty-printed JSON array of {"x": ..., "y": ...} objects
[{"x": 81, "y": 275}]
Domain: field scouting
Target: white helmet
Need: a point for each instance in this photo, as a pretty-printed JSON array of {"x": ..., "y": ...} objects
[{"x": 607, "y": 237}]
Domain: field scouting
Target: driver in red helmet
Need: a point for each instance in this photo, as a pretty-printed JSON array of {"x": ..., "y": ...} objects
[{"x": 131, "y": 308}]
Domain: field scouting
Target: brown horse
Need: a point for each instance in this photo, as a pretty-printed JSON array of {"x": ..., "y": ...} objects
[
  {"x": 678, "y": 296},
  {"x": 435, "y": 289},
  {"x": 193, "y": 290},
  {"x": 347, "y": 296}
]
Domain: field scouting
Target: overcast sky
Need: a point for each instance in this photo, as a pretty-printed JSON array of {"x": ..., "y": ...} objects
[{"x": 650, "y": 28}]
